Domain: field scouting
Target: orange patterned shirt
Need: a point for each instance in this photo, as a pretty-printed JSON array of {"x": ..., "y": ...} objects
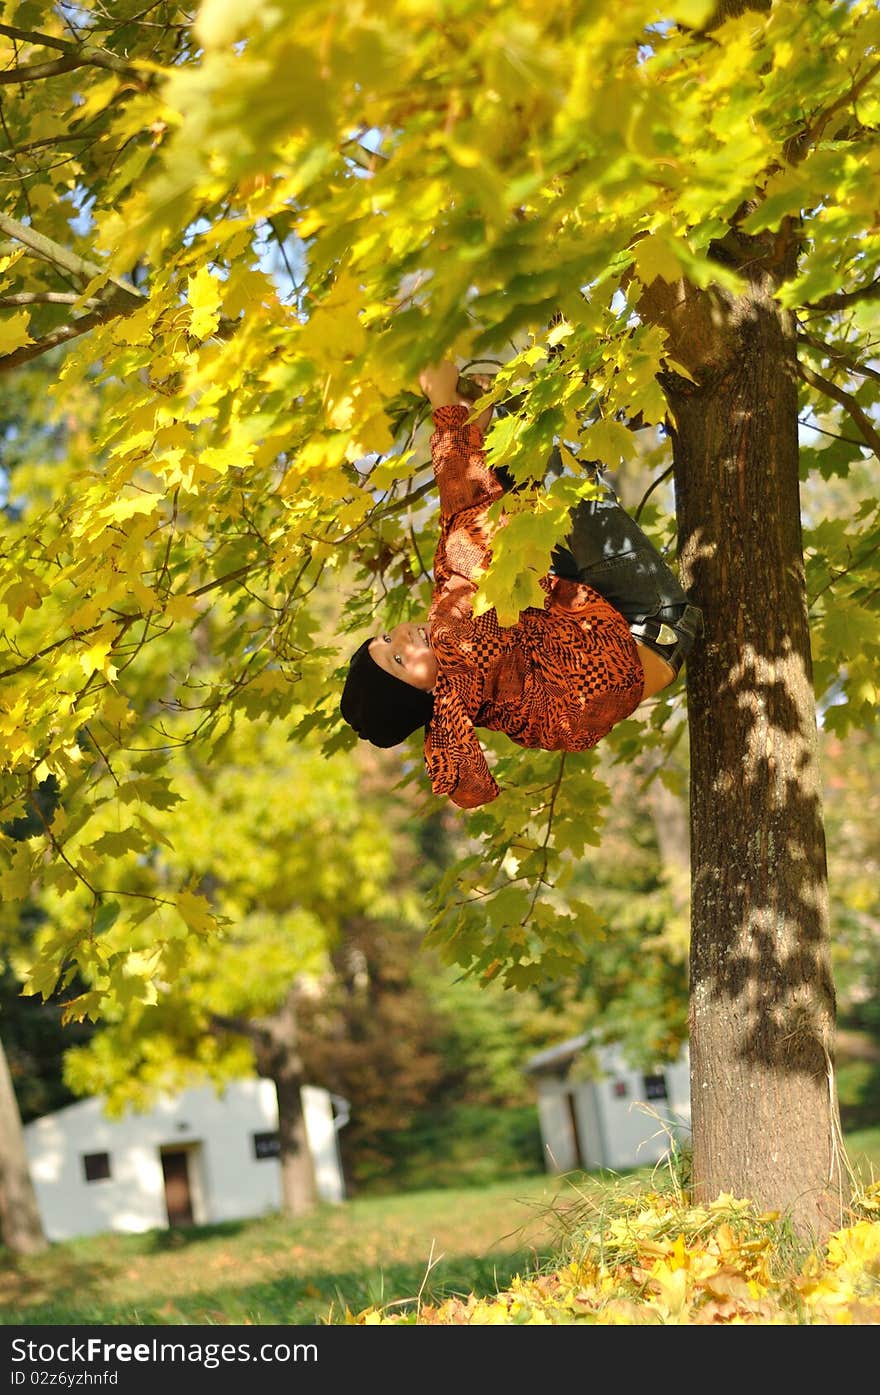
[{"x": 559, "y": 679}]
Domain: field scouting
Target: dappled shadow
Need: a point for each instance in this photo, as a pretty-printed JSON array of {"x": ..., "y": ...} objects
[
  {"x": 759, "y": 880},
  {"x": 298, "y": 1299},
  {"x": 25, "y": 1283},
  {"x": 184, "y": 1236},
  {"x": 758, "y": 854}
]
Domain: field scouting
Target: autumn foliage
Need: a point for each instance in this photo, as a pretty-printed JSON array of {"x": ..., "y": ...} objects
[{"x": 653, "y": 1259}]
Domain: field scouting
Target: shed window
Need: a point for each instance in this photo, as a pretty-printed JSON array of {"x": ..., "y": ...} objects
[
  {"x": 655, "y": 1087},
  {"x": 266, "y": 1145},
  {"x": 96, "y": 1166}
]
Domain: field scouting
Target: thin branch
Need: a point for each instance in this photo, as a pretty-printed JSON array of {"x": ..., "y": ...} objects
[
  {"x": 401, "y": 504},
  {"x": 650, "y": 490},
  {"x": 847, "y": 402},
  {"x": 796, "y": 147},
  {"x": 80, "y": 876},
  {"x": 837, "y": 300},
  {"x": 62, "y": 138},
  {"x": 279, "y": 241},
  {"x": 50, "y": 251},
  {"x": 12, "y": 156},
  {"x": 63, "y": 335},
  {"x": 42, "y": 298},
  {"x": 845, "y": 571},
  {"x": 124, "y": 620},
  {"x": 835, "y": 352},
  {"x": 35, "y": 72},
  {"x": 229, "y": 576},
  {"x": 101, "y": 753},
  {"x": 550, "y": 806},
  {"x": 134, "y": 19},
  {"x": 75, "y": 56},
  {"x": 422, "y": 568},
  {"x": 843, "y": 100},
  {"x": 30, "y": 36},
  {"x": 835, "y": 435}
]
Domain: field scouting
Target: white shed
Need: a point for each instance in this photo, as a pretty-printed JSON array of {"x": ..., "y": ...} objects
[
  {"x": 193, "y": 1159},
  {"x": 608, "y": 1115}
]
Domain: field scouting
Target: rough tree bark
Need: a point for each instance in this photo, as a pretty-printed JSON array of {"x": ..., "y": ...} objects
[
  {"x": 20, "y": 1224},
  {"x": 764, "y": 1110}
]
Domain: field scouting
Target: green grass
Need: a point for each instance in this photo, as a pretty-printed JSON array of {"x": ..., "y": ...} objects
[
  {"x": 863, "y": 1150},
  {"x": 372, "y": 1251},
  {"x": 273, "y": 1270}
]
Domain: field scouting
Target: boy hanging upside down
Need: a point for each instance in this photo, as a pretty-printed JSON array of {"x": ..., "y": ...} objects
[{"x": 615, "y": 628}]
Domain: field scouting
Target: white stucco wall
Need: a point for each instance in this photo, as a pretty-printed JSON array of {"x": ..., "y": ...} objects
[
  {"x": 639, "y": 1131},
  {"x": 557, "y": 1129},
  {"x": 227, "y": 1181},
  {"x": 614, "y": 1131}
]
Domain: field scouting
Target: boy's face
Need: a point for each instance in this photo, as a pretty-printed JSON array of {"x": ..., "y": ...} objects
[{"x": 405, "y": 652}]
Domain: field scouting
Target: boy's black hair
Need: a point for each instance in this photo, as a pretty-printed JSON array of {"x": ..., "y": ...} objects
[{"x": 382, "y": 709}]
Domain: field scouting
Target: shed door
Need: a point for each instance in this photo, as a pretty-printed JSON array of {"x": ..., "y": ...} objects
[{"x": 175, "y": 1169}]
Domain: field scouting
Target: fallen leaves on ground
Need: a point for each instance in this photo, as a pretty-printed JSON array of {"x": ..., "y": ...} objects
[{"x": 656, "y": 1260}]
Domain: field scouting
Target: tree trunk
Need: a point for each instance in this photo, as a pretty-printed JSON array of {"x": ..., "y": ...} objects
[
  {"x": 298, "y": 1190},
  {"x": 765, "y": 1122},
  {"x": 22, "y": 1228},
  {"x": 278, "y": 1059}
]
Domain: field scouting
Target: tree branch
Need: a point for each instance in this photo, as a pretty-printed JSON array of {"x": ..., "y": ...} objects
[
  {"x": 64, "y": 334},
  {"x": 75, "y": 56},
  {"x": 650, "y": 490},
  {"x": 847, "y": 402},
  {"x": 550, "y": 806},
  {"x": 837, "y": 300},
  {"x": 240, "y": 1025},
  {"x": 824, "y": 116},
  {"x": 41, "y": 298},
  {"x": 33, "y": 72},
  {"x": 835, "y": 352},
  {"x": 49, "y": 251},
  {"x": 30, "y": 36}
]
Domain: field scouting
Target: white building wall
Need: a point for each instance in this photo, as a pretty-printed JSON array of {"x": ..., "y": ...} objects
[
  {"x": 323, "y": 1136},
  {"x": 131, "y": 1199},
  {"x": 593, "y": 1145},
  {"x": 557, "y": 1130},
  {"x": 227, "y": 1180},
  {"x": 614, "y": 1131},
  {"x": 639, "y": 1131},
  {"x": 236, "y": 1183}
]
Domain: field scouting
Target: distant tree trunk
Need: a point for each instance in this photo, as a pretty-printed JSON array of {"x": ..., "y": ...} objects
[
  {"x": 22, "y": 1228},
  {"x": 278, "y": 1058},
  {"x": 764, "y": 1111}
]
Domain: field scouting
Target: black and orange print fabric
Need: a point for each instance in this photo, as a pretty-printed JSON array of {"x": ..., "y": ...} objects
[{"x": 559, "y": 679}]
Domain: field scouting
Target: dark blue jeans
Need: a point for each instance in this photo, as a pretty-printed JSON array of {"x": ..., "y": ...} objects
[{"x": 607, "y": 549}]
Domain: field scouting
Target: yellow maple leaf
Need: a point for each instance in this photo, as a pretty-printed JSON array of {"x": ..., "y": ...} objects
[
  {"x": 182, "y": 607},
  {"x": 856, "y": 1246},
  {"x": 14, "y": 332},
  {"x": 203, "y": 293},
  {"x": 670, "y": 1287},
  {"x": 196, "y": 912},
  {"x": 96, "y": 656}
]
